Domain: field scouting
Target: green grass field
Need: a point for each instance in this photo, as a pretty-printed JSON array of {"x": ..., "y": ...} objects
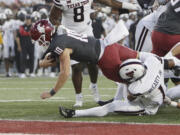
[{"x": 20, "y": 100}]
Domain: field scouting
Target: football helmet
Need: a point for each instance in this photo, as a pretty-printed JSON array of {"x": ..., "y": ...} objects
[
  {"x": 21, "y": 15},
  {"x": 2, "y": 18},
  {"x": 44, "y": 13},
  {"x": 36, "y": 16},
  {"x": 42, "y": 32},
  {"x": 146, "y": 4},
  {"x": 132, "y": 70},
  {"x": 8, "y": 13}
]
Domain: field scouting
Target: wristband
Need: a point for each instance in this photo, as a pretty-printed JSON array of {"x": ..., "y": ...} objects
[{"x": 52, "y": 92}]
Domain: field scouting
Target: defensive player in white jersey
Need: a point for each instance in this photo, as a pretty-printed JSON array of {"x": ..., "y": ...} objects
[
  {"x": 8, "y": 39},
  {"x": 143, "y": 97},
  {"x": 166, "y": 35},
  {"x": 145, "y": 27},
  {"x": 75, "y": 15}
]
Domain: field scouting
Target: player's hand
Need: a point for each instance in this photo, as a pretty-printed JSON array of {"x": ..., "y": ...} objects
[
  {"x": 45, "y": 95},
  {"x": 131, "y": 97},
  {"x": 47, "y": 61}
]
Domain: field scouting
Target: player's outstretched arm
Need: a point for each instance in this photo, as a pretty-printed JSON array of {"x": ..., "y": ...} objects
[
  {"x": 117, "y": 5},
  {"x": 55, "y": 15},
  {"x": 63, "y": 75}
]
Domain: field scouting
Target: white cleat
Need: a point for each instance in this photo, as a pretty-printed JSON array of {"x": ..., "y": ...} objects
[
  {"x": 95, "y": 92},
  {"x": 78, "y": 104},
  {"x": 79, "y": 100}
]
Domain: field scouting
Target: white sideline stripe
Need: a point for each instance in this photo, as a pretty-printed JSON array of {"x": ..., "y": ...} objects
[
  {"x": 95, "y": 122},
  {"x": 22, "y": 88},
  {"x": 30, "y": 100},
  {"x": 53, "y": 99}
]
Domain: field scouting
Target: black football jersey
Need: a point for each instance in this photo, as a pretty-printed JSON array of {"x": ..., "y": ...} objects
[
  {"x": 85, "y": 49},
  {"x": 169, "y": 21}
]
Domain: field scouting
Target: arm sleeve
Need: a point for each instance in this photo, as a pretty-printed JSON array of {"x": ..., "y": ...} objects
[
  {"x": 59, "y": 4},
  {"x": 144, "y": 55}
]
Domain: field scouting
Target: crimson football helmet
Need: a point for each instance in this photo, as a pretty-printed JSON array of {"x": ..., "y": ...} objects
[
  {"x": 132, "y": 70},
  {"x": 42, "y": 32}
]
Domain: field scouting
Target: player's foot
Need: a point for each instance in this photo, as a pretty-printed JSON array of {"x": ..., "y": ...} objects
[
  {"x": 79, "y": 100},
  {"x": 78, "y": 104},
  {"x": 67, "y": 113},
  {"x": 95, "y": 92},
  {"x": 22, "y": 75}
]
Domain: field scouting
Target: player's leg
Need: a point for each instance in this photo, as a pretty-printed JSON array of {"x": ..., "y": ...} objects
[
  {"x": 115, "y": 106},
  {"x": 121, "y": 94},
  {"x": 6, "y": 59},
  {"x": 174, "y": 92},
  {"x": 162, "y": 43},
  {"x": 77, "y": 82},
  {"x": 30, "y": 51},
  {"x": 93, "y": 73}
]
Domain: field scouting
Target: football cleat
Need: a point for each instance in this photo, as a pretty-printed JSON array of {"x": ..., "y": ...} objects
[
  {"x": 78, "y": 104},
  {"x": 66, "y": 113},
  {"x": 79, "y": 100},
  {"x": 95, "y": 92}
]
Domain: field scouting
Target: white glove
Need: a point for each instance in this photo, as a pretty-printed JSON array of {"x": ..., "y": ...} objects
[{"x": 130, "y": 6}]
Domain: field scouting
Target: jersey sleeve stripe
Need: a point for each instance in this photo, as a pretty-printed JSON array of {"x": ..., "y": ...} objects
[{"x": 57, "y": 3}]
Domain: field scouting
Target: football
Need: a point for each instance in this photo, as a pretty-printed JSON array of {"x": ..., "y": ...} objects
[{"x": 51, "y": 56}]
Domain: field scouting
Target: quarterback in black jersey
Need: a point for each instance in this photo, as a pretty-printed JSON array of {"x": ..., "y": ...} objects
[{"x": 65, "y": 45}]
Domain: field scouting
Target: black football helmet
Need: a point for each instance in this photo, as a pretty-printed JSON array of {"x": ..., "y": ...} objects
[{"x": 146, "y": 4}]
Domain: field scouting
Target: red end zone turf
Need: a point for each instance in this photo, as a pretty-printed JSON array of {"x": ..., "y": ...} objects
[{"x": 85, "y": 128}]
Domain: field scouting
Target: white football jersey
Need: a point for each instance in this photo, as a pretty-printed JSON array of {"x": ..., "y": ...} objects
[
  {"x": 8, "y": 36},
  {"x": 150, "y": 20},
  {"x": 76, "y": 14}
]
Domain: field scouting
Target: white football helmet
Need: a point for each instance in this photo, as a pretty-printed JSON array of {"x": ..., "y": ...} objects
[{"x": 132, "y": 70}]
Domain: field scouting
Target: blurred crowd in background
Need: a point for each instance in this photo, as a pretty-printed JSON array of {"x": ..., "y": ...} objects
[{"x": 18, "y": 55}]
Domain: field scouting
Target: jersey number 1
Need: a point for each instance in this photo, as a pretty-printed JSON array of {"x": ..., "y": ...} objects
[{"x": 79, "y": 14}]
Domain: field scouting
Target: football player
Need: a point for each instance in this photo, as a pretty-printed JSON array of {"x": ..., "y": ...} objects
[
  {"x": 166, "y": 34},
  {"x": 8, "y": 41},
  {"x": 146, "y": 91},
  {"x": 145, "y": 27},
  {"x": 65, "y": 44},
  {"x": 75, "y": 15}
]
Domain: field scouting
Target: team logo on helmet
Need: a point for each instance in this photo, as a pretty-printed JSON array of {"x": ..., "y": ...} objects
[
  {"x": 42, "y": 32},
  {"x": 132, "y": 70}
]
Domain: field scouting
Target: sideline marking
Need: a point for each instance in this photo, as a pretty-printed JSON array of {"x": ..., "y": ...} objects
[
  {"x": 92, "y": 122},
  {"x": 22, "y": 88}
]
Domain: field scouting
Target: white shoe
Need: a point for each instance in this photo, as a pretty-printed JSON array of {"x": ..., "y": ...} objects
[
  {"x": 79, "y": 100},
  {"x": 52, "y": 74},
  {"x": 78, "y": 104},
  {"x": 95, "y": 92},
  {"x": 32, "y": 75},
  {"x": 22, "y": 76}
]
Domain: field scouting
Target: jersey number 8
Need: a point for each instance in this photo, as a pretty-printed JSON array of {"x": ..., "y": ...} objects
[{"x": 79, "y": 14}]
